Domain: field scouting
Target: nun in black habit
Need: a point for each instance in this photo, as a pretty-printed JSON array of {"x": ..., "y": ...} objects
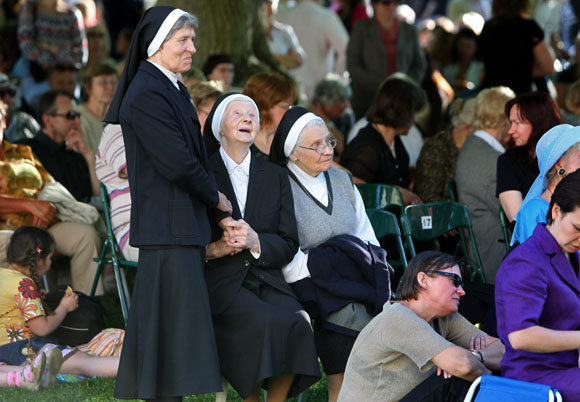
[
  {"x": 169, "y": 349},
  {"x": 263, "y": 335}
]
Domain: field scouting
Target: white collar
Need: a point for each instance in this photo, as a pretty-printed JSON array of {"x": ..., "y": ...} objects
[
  {"x": 307, "y": 181},
  {"x": 490, "y": 140},
  {"x": 169, "y": 74},
  {"x": 231, "y": 165}
]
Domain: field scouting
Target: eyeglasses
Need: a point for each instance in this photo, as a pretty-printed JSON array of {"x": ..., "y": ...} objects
[
  {"x": 330, "y": 142},
  {"x": 285, "y": 106},
  {"x": 70, "y": 115},
  {"x": 457, "y": 281}
]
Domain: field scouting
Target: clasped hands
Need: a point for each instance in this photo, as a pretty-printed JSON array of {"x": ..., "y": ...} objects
[
  {"x": 478, "y": 342},
  {"x": 237, "y": 236}
]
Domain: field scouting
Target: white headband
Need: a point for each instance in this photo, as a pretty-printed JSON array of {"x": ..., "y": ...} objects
[
  {"x": 164, "y": 29},
  {"x": 295, "y": 131},
  {"x": 220, "y": 110}
]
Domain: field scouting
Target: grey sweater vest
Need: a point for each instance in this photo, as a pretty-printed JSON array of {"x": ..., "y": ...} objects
[{"x": 317, "y": 223}]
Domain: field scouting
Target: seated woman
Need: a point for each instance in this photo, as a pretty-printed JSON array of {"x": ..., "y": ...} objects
[
  {"x": 531, "y": 115},
  {"x": 327, "y": 205},
  {"x": 443, "y": 354},
  {"x": 377, "y": 154},
  {"x": 263, "y": 336},
  {"x": 274, "y": 94},
  {"x": 436, "y": 163},
  {"x": 558, "y": 153},
  {"x": 536, "y": 298}
]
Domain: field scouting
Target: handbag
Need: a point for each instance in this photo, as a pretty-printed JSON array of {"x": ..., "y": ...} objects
[{"x": 79, "y": 326}]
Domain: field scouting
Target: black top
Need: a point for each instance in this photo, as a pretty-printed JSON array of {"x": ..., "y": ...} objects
[
  {"x": 506, "y": 47},
  {"x": 369, "y": 158},
  {"x": 259, "y": 154},
  {"x": 515, "y": 171},
  {"x": 67, "y": 167}
]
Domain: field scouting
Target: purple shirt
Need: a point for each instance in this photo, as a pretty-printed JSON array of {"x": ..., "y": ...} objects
[{"x": 537, "y": 285}]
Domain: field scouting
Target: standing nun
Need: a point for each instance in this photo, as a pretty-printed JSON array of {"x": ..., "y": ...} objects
[{"x": 169, "y": 348}]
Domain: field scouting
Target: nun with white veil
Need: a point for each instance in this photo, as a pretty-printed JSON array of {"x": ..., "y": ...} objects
[{"x": 169, "y": 349}]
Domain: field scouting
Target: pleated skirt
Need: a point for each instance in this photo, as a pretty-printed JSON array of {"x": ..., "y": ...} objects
[
  {"x": 169, "y": 348},
  {"x": 265, "y": 333}
]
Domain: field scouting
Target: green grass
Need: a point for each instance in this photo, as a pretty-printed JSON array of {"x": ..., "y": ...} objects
[{"x": 102, "y": 390}]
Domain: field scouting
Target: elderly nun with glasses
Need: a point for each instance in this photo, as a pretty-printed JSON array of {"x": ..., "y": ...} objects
[
  {"x": 263, "y": 335},
  {"x": 338, "y": 250},
  {"x": 169, "y": 348}
]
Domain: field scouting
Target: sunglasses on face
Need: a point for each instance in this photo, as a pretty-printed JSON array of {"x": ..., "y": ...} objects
[
  {"x": 456, "y": 279},
  {"x": 71, "y": 115}
]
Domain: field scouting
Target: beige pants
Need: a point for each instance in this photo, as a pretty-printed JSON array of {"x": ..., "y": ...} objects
[{"x": 78, "y": 241}]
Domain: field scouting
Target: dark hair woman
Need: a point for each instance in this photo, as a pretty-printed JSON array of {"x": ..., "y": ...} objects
[
  {"x": 531, "y": 115},
  {"x": 536, "y": 298},
  {"x": 377, "y": 154}
]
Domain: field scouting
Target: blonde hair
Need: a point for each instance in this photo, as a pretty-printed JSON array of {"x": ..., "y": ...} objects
[
  {"x": 572, "y": 99},
  {"x": 490, "y": 107}
]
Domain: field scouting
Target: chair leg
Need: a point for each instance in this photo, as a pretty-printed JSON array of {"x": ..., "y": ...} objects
[
  {"x": 125, "y": 287},
  {"x": 99, "y": 272},
  {"x": 121, "y": 290}
]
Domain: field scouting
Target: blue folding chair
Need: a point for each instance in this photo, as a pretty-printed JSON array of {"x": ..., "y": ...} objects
[{"x": 496, "y": 389}]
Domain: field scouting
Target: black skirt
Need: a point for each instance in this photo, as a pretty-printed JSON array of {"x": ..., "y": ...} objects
[
  {"x": 169, "y": 348},
  {"x": 265, "y": 333}
]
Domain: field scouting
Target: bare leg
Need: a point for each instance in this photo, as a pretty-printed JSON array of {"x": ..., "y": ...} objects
[
  {"x": 334, "y": 382},
  {"x": 279, "y": 386},
  {"x": 4, "y": 369},
  {"x": 255, "y": 397},
  {"x": 84, "y": 364}
]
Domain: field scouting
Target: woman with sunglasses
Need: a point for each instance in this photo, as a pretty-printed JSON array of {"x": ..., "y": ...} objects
[
  {"x": 326, "y": 205},
  {"x": 536, "y": 298},
  {"x": 443, "y": 355}
]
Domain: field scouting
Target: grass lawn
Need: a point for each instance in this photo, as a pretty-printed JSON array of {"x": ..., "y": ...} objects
[{"x": 102, "y": 390}]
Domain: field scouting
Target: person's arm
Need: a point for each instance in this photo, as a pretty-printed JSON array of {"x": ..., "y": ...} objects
[
  {"x": 538, "y": 339},
  {"x": 364, "y": 229},
  {"x": 75, "y": 142},
  {"x": 169, "y": 153},
  {"x": 491, "y": 349},
  {"x": 43, "y": 212},
  {"x": 460, "y": 362},
  {"x": 337, "y": 37},
  {"x": 543, "y": 60},
  {"x": 45, "y": 325},
  {"x": 510, "y": 201},
  {"x": 362, "y": 164}
]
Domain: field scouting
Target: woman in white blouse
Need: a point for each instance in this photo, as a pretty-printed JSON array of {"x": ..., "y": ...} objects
[{"x": 326, "y": 204}]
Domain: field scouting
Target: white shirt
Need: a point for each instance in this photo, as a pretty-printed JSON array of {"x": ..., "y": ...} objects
[
  {"x": 240, "y": 177},
  {"x": 490, "y": 140},
  {"x": 169, "y": 74},
  {"x": 323, "y": 38},
  {"x": 297, "y": 269}
]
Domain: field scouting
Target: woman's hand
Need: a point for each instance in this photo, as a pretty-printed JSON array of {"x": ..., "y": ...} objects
[
  {"x": 43, "y": 212},
  {"x": 69, "y": 302},
  {"x": 218, "y": 249},
  {"x": 224, "y": 204},
  {"x": 445, "y": 374},
  {"x": 244, "y": 236},
  {"x": 478, "y": 342},
  {"x": 409, "y": 197}
]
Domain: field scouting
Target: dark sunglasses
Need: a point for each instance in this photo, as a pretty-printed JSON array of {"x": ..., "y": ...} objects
[
  {"x": 73, "y": 114},
  {"x": 457, "y": 281}
]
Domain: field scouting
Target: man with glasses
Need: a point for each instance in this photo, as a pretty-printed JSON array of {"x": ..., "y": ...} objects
[{"x": 60, "y": 146}]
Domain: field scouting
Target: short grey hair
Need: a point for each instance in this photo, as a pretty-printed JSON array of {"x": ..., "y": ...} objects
[
  {"x": 331, "y": 89},
  {"x": 187, "y": 20},
  {"x": 317, "y": 121}
]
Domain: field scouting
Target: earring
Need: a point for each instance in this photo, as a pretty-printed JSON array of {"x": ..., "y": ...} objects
[{"x": 562, "y": 172}]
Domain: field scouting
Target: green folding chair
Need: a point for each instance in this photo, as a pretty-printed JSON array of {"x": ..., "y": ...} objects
[
  {"x": 430, "y": 221},
  {"x": 503, "y": 221},
  {"x": 111, "y": 254},
  {"x": 381, "y": 196},
  {"x": 385, "y": 223},
  {"x": 452, "y": 191}
]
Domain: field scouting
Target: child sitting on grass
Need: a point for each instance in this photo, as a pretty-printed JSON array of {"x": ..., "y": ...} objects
[{"x": 26, "y": 322}]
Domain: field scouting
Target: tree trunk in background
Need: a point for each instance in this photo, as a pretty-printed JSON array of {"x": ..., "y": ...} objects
[{"x": 233, "y": 27}]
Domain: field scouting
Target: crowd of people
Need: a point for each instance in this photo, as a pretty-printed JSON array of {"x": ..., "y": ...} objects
[{"x": 233, "y": 182}]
